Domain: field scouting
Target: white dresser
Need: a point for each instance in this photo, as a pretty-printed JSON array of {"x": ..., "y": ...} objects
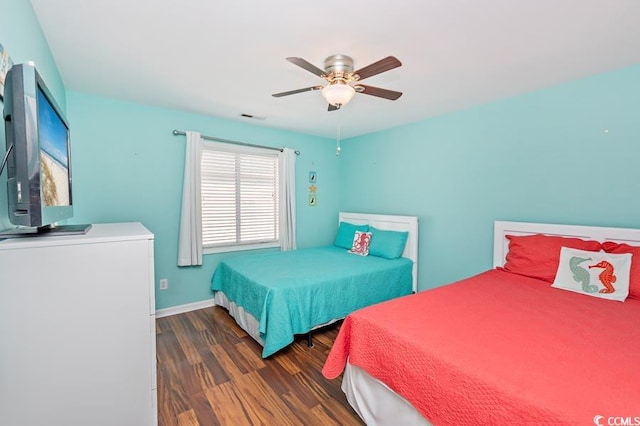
[{"x": 77, "y": 329}]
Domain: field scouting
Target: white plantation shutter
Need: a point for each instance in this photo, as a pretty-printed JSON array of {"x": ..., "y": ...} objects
[{"x": 240, "y": 199}]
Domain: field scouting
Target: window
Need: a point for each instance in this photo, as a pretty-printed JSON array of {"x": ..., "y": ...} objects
[{"x": 240, "y": 199}]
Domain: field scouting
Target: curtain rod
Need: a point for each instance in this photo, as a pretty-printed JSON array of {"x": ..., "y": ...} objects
[{"x": 211, "y": 138}]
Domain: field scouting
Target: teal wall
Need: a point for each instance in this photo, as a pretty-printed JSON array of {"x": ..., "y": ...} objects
[
  {"x": 128, "y": 166},
  {"x": 22, "y": 38},
  {"x": 540, "y": 157}
]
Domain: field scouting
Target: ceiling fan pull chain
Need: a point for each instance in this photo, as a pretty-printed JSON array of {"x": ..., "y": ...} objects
[{"x": 338, "y": 149}]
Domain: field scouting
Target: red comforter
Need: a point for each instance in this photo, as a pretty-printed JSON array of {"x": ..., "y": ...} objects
[{"x": 500, "y": 348}]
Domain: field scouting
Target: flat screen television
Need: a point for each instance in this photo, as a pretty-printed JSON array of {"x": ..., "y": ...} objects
[{"x": 38, "y": 157}]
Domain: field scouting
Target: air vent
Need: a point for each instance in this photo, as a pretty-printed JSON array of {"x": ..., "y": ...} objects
[{"x": 253, "y": 117}]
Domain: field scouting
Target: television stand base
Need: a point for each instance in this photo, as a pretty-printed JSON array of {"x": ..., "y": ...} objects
[{"x": 45, "y": 231}]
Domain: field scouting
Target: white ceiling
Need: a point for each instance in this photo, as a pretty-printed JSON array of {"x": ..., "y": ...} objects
[{"x": 225, "y": 58}]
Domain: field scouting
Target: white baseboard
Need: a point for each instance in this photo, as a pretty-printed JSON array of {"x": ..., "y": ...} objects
[{"x": 180, "y": 309}]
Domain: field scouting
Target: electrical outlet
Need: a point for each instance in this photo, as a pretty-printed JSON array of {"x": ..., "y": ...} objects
[{"x": 164, "y": 284}]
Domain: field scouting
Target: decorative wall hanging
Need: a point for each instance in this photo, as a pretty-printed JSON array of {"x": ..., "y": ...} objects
[
  {"x": 5, "y": 64},
  {"x": 313, "y": 177}
]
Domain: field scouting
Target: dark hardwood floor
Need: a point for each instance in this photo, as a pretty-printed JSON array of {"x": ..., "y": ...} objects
[{"x": 210, "y": 373}]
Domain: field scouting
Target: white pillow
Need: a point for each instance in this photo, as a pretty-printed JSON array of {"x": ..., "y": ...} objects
[
  {"x": 597, "y": 274},
  {"x": 361, "y": 241}
]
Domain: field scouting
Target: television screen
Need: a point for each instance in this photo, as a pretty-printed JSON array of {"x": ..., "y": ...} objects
[{"x": 54, "y": 155}]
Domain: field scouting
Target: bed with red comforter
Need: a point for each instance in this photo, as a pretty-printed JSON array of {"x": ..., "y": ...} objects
[{"x": 500, "y": 348}]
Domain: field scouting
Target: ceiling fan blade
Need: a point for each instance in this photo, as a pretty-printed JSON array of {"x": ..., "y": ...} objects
[
  {"x": 333, "y": 108},
  {"x": 306, "y": 65},
  {"x": 381, "y": 66},
  {"x": 293, "y": 92},
  {"x": 392, "y": 95}
]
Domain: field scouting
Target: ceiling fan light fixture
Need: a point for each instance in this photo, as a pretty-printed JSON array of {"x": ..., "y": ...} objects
[
  {"x": 338, "y": 93},
  {"x": 339, "y": 73}
]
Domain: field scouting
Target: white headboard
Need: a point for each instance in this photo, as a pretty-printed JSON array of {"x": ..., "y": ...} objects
[
  {"x": 391, "y": 223},
  {"x": 501, "y": 229}
]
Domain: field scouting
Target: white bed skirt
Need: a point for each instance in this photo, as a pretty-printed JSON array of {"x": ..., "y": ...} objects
[
  {"x": 245, "y": 320},
  {"x": 375, "y": 403}
]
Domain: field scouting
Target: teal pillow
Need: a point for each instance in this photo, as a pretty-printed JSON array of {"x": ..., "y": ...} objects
[
  {"x": 346, "y": 232},
  {"x": 387, "y": 244}
]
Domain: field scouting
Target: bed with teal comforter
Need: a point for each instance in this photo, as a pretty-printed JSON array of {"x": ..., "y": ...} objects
[{"x": 290, "y": 293}]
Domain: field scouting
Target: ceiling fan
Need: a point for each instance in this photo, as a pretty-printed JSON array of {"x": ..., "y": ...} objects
[{"x": 343, "y": 81}]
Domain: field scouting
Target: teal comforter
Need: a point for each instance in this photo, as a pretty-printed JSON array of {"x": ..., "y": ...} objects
[{"x": 291, "y": 292}]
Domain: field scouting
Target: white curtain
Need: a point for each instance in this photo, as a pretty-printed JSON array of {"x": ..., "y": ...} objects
[
  {"x": 287, "y": 199},
  {"x": 190, "y": 242}
]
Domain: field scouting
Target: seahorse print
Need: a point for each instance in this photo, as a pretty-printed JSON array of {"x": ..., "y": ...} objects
[
  {"x": 607, "y": 277},
  {"x": 581, "y": 275}
]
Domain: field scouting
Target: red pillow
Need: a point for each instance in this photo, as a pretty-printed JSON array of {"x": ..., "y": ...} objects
[
  {"x": 538, "y": 256},
  {"x": 634, "y": 276}
]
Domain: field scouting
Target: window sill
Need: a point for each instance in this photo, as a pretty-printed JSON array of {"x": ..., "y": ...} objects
[{"x": 240, "y": 247}]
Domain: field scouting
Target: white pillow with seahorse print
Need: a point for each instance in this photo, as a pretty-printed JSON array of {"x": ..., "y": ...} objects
[{"x": 597, "y": 274}]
